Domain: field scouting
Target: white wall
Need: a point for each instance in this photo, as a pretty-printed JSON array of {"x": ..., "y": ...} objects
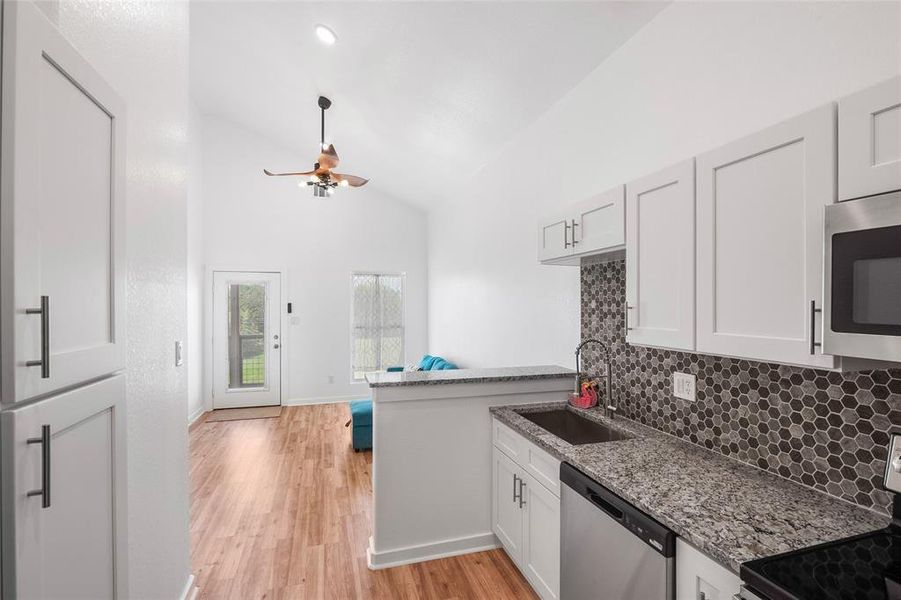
[
  {"x": 141, "y": 48},
  {"x": 697, "y": 76},
  {"x": 195, "y": 265},
  {"x": 251, "y": 221}
]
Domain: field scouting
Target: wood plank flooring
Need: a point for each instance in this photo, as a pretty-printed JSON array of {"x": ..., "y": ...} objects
[{"x": 281, "y": 509}]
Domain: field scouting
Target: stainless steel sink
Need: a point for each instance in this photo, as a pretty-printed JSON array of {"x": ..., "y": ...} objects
[{"x": 574, "y": 428}]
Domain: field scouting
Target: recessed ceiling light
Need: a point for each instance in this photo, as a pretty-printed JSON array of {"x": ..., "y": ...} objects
[{"x": 326, "y": 35}]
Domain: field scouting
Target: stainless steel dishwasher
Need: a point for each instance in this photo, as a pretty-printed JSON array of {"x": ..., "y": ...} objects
[{"x": 610, "y": 550}]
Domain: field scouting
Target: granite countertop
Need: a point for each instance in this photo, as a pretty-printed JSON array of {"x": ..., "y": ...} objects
[
  {"x": 731, "y": 511},
  {"x": 467, "y": 376}
]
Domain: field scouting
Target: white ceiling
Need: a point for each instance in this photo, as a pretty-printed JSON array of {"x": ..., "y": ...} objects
[{"x": 424, "y": 93}]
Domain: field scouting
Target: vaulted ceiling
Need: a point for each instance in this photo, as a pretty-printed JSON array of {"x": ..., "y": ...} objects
[{"x": 424, "y": 93}]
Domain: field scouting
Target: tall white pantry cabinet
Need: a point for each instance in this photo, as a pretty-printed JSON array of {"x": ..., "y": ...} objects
[{"x": 62, "y": 355}]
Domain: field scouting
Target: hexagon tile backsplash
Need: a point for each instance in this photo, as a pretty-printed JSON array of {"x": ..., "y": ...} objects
[{"x": 822, "y": 429}]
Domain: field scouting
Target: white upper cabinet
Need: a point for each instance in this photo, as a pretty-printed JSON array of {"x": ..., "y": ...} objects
[
  {"x": 869, "y": 141},
  {"x": 61, "y": 211},
  {"x": 660, "y": 260},
  {"x": 760, "y": 241},
  {"x": 593, "y": 226},
  {"x": 599, "y": 222},
  {"x": 554, "y": 239}
]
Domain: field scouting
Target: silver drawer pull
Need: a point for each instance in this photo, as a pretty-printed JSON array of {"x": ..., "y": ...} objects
[
  {"x": 522, "y": 499},
  {"x": 515, "y": 479},
  {"x": 44, "y": 441},
  {"x": 44, "y": 311}
]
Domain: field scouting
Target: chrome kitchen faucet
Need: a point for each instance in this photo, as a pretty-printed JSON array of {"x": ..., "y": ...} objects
[{"x": 609, "y": 409}]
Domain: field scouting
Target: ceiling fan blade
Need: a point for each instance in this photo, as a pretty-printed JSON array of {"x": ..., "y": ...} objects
[
  {"x": 271, "y": 174},
  {"x": 352, "y": 180},
  {"x": 328, "y": 158}
]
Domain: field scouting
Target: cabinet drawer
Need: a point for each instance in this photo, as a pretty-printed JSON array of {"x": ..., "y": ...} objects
[
  {"x": 508, "y": 441},
  {"x": 543, "y": 467}
]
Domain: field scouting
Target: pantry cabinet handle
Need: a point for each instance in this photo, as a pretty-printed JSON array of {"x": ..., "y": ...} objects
[
  {"x": 566, "y": 243},
  {"x": 44, "y": 311},
  {"x": 813, "y": 326},
  {"x": 574, "y": 225},
  {"x": 44, "y": 441}
]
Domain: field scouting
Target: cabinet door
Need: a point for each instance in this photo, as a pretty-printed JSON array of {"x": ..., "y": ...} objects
[
  {"x": 61, "y": 212},
  {"x": 869, "y": 141},
  {"x": 541, "y": 538},
  {"x": 554, "y": 238},
  {"x": 76, "y": 546},
  {"x": 700, "y": 578},
  {"x": 660, "y": 261},
  {"x": 760, "y": 241},
  {"x": 506, "y": 514},
  {"x": 600, "y": 222}
]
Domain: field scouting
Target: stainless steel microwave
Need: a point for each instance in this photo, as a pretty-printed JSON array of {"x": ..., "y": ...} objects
[{"x": 862, "y": 307}]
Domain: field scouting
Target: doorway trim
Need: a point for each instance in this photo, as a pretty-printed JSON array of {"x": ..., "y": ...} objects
[{"x": 207, "y": 334}]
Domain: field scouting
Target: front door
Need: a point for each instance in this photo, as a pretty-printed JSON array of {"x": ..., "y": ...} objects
[{"x": 246, "y": 339}]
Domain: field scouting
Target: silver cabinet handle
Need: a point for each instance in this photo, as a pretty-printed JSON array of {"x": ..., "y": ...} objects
[
  {"x": 522, "y": 498},
  {"x": 44, "y": 441},
  {"x": 574, "y": 225},
  {"x": 566, "y": 243},
  {"x": 515, "y": 479},
  {"x": 44, "y": 311},
  {"x": 813, "y": 326}
]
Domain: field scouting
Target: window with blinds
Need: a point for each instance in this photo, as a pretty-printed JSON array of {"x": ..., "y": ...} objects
[{"x": 377, "y": 327}]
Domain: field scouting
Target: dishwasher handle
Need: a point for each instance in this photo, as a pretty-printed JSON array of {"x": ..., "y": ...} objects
[{"x": 604, "y": 505}]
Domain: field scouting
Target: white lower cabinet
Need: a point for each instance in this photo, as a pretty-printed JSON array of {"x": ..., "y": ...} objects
[
  {"x": 701, "y": 578},
  {"x": 525, "y": 515},
  {"x": 64, "y": 495},
  {"x": 541, "y": 538},
  {"x": 506, "y": 513}
]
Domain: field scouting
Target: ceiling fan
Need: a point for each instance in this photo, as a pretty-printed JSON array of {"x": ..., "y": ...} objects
[{"x": 322, "y": 179}]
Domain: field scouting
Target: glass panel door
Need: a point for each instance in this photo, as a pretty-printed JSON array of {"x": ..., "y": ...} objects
[{"x": 246, "y": 339}]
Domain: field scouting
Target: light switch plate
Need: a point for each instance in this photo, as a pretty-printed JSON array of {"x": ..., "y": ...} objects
[
  {"x": 893, "y": 464},
  {"x": 684, "y": 386},
  {"x": 179, "y": 354}
]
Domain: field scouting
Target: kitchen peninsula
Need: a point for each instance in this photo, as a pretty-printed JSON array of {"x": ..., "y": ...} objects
[{"x": 431, "y": 467}]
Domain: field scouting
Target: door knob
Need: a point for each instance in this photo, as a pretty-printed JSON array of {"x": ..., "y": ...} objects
[{"x": 275, "y": 346}]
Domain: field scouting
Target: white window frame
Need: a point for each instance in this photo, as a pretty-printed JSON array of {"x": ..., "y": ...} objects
[{"x": 403, "y": 322}]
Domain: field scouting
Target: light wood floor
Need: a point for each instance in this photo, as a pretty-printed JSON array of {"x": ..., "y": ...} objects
[{"x": 280, "y": 508}]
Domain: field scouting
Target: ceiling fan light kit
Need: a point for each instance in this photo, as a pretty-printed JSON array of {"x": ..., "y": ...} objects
[{"x": 322, "y": 179}]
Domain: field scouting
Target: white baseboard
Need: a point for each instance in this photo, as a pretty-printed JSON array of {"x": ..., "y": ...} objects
[
  {"x": 196, "y": 415},
  {"x": 190, "y": 591},
  {"x": 321, "y": 400},
  {"x": 431, "y": 551}
]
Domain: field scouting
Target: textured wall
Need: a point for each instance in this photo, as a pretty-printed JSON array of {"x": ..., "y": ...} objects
[{"x": 823, "y": 429}]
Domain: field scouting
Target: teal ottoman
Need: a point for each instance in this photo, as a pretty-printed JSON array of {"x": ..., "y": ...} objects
[{"x": 361, "y": 424}]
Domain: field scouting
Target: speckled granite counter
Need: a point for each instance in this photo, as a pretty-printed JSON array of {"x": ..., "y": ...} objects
[
  {"x": 731, "y": 511},
  {"x": 467, "y": 376}
]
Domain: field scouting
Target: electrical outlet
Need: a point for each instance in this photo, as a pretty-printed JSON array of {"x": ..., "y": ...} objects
[
  {"x": 684, "y": 386},
  {"x": 179, "y": 354}
]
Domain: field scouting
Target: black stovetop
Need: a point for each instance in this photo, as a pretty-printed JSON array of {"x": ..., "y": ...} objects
[{"x": 863, "y": 567}]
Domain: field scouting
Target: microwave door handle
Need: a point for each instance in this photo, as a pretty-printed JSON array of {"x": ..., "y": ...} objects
[{"x": 813, "y": 326}]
